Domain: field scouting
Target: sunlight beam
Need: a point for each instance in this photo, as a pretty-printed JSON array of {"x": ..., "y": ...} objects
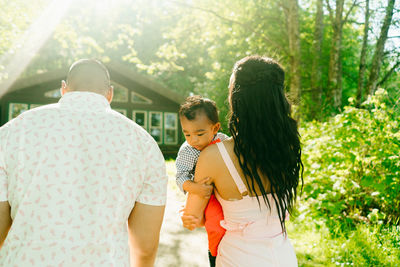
[{"x": 17, "y": 58}]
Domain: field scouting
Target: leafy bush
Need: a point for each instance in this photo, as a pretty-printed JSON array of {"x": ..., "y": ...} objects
[
  {"x": 365, "y": 245},
  {"x": 352, "y": 165}
]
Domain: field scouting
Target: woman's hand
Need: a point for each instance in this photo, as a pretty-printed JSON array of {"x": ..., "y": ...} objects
[
  {"x": 202, "y": 188},
  {"x": 190, "y": 222}
]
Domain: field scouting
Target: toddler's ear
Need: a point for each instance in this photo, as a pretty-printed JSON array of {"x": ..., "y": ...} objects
[{"x": 217, "y": 126}]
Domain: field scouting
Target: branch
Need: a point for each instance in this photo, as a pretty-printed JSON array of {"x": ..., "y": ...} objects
[
  {"x": 257, "y": 4},
  {"x": 330, "y": 10},
  {"x": 224, "y": 19},
  {"x": 389, "y": 73},
  {"x": 352, "y": 21},
  {"x": 349, "y": 11},
  {"x": 398, "y": 36},
  {"x": 208, "y": 11}
]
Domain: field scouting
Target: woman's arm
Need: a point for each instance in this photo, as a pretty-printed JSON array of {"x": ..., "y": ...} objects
[{"x": 193, "y": 213}]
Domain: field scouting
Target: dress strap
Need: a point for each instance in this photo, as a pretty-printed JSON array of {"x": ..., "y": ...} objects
[{"x": 232, "y": 169}]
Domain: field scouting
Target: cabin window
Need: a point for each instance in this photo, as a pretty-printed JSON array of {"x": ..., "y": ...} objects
[
  {"x": 121, "y": 93},
  {"x": 140, "y": 117},
  {"x": 170, "y": 128},
  {"x": 31, "y": 106},
  {"x": 155, "y": 128},
  {"x": 14, "y": 109},
  {"x": 56, "y": 93},
  {"x": 120, "y": 110},
  {"x": 139, "y": 99}
]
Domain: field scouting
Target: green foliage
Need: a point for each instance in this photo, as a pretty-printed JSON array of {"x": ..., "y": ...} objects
[
  {"x": 352, "y": 165},
  {"x": 368, "y": 246},
  {"x": 191, "y": 46},
  {"x": 364, "y": 245}
]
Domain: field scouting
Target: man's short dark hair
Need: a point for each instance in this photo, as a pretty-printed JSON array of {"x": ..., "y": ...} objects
[
  {"x": 88, "y": 75},
  {"x": 193, "y": 105}
]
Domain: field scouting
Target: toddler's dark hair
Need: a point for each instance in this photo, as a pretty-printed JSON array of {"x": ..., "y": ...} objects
[{"x": 195, "y": 104}]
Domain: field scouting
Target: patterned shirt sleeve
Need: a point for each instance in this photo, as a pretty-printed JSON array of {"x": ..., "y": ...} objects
[
  {"x": 154, "y": 191},
  {"x": 3, "y": 173},
  {"x": 185, "y": 164}
]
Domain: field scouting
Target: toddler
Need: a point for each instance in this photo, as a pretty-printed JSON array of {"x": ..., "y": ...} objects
[{"x": 200, "y": 125}]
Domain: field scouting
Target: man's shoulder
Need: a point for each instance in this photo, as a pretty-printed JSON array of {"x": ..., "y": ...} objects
[
  {"x": 130, "y": 124},
  {"x": 137, "y": 135},
  {"x": 29, "y": 115},
  {"x": 39, "y": 111},
  {"x": 122, "y": 119},
  {"x": 5, "y": 128}
]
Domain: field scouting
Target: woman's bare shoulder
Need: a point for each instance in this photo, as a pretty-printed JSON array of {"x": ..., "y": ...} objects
[
  {"x": 210, "y": 159},
  {"x": 208, "y": 156},
  {"x": 212, "y": 152}
]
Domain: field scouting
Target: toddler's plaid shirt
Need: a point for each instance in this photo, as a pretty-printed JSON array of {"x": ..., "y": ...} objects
[{"x": 187, "y": 159}]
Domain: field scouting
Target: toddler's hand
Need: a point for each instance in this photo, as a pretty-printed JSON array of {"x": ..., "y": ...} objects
[{"x": 190, "y": 222}]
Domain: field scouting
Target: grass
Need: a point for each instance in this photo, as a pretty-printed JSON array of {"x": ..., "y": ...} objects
[{"x": 365, "y": 245}]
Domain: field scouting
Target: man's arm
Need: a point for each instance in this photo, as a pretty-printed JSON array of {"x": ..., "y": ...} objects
[
  {"x": 5, "y": 220},
  {"x": 144, "y": 225},
  {"x": 146, "y": 217},
  {"x": 5, "y": 216}
]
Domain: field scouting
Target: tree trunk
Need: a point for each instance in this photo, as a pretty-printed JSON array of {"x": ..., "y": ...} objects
[
  {"x": 362, "y": 68},
  {"x": 334, "y": 75},
  {"x": 380, "y": 46},
  {"x": 316, "y": 73},
  {"x": 292, "y": 17}
]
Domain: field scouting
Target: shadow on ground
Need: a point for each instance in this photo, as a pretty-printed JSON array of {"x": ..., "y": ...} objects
[{"x": 179, "y": 247}]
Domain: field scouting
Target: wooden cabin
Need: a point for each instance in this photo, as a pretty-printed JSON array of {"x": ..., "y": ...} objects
[{"x": 141, "y": 99}]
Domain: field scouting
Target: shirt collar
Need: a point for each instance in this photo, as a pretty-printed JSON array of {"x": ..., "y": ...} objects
[
  {"x": 215, "y": 140},
  {"x": 84, "y": 100}
]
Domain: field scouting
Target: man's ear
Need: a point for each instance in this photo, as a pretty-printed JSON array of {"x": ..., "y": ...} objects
[
  {"x": 64, "y": 88},
  {"x": 110, "y": 94}
]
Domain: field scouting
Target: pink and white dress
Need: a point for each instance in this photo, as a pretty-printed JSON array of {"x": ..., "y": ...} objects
[{"x": 253, "y": 232}]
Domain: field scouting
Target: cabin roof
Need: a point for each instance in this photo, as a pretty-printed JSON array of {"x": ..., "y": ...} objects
[{"x": 115, "y": 67}]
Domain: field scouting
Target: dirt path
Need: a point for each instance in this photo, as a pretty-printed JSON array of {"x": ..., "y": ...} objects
[{"x": 179, "y": 247}]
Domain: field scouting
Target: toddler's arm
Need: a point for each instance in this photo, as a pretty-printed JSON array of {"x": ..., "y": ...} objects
[{"x": 185, "y": 165}]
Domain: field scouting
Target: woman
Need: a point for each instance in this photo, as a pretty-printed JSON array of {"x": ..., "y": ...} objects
[{"x": 256, "y": 172}]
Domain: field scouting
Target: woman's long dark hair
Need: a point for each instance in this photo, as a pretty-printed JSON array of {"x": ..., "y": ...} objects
[{"x": 266, "y": 139}]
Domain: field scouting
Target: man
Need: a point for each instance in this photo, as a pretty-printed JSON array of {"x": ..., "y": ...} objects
[{"x": 74, "y": 175}]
